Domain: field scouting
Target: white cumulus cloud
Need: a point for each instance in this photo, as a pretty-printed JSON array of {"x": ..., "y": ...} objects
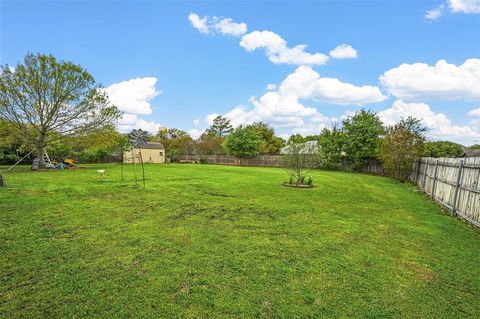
[
  {"x": 201, "y": 24},
  {"x": 344, "y": 51},
  {"x": 474, "y": 112},
  {"x": 228, "y": 27},
  {"x": 278, "y": 51},
  {"x": 465, "y": 6},
  {"x": 195, "y": 133},
  {"x": 306, "y": 83},
  {"x": 211, "y": 25},
  {"x": 439, "y": 125},
  {"x": 454, "y": 6},
  {"x": 129, "y": 122},
  {"x": 442, "y": 81},
  {"x": 270, "y": 87},
  {"x": 275, "y": 47},
  {"x": 435, "y": 13},
  {"x": 282, "y": 107},
  {"x": 133, "y": 96}
]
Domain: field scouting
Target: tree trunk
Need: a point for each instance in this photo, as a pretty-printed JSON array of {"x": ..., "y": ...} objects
[{"x": 40, "y": 150}]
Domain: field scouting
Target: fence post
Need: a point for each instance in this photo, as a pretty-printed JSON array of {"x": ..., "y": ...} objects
[
  {"x": 434, "y": 180},
  {"x": 425, "y": 175},
  {"x": 453, "y": 211},
  {"x": 417, "y": 166}
]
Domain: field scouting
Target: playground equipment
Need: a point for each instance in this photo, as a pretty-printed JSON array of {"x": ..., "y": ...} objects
[{"x": 67, "y": 163}]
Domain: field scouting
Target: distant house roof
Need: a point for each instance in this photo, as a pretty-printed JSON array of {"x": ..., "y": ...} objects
[
  {"x": 153, "y": 146},
  {"x": 467, "y": 152}
]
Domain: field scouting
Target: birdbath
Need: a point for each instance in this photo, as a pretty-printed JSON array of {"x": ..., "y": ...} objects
[{"x": 101, "y": 172}]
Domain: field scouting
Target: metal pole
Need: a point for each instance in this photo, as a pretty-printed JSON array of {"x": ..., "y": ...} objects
[
  {"x": 453, "y": 211},
  {"x": 143, "y": 170},
  {"x": 19, "y": 161},
  {"x": 434, "y": 180}
]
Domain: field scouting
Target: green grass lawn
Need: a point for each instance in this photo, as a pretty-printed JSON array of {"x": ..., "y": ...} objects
[{"x": 207, "y": 241}]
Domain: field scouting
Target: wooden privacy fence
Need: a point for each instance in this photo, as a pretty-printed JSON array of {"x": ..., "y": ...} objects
[
  {"x": 260, "y": 160},
  {"x": 372, "y": 166},
  {"x": 453, "y": 182}
]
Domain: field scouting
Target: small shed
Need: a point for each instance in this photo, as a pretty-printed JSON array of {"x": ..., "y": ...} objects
[{"x": 151, "y": 153}]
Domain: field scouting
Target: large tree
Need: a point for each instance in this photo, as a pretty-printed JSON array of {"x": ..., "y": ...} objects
[
  {"x": 244, "y": 142},
  {"x": 331, "y": 143},
  {"x": 362, "y": 137},
  {"x": 221, "y": 127},
  {"x": 271, "y": 144},
  {"x": 44, "y": 98}
]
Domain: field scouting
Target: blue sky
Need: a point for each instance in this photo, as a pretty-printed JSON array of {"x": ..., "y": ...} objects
[{"x": 185, "y": 73}]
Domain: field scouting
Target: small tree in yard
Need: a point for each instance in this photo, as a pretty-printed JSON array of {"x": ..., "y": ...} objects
[
  {"x": 402, "y": 144},
  {"x": 243, "y": 142},
  {"x": 299, "y": 159},
  {"x": 44, "y": 99}
]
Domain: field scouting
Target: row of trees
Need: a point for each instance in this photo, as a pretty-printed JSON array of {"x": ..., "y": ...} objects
[
  {"x": 58, "y": 106},
  {"x": 222, "y": 138}
]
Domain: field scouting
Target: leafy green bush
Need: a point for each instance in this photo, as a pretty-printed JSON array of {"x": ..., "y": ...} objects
[
  {"x": 401, "y": 146},
  {"x": 309, "y": 181}
]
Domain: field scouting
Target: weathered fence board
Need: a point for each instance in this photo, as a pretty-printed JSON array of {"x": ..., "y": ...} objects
[{"x": 453, "y": 182}]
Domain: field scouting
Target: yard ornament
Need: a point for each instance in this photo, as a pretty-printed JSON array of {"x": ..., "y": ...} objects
[{"x": 138, "y": 138}]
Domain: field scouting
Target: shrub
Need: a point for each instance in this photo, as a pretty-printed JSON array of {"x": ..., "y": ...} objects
[
  {"x": 401, "y": 146},
  {"x": 309, "y": 181},
  {"x": 300, "y": 158}
]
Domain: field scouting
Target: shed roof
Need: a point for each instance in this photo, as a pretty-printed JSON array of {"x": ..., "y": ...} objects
[{"x": 153, "y": 146}]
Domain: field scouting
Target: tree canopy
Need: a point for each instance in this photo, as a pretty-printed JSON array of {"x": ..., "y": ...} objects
[
  {"x": 401, "y": 146},
  {"x": 244, "y": 141},
  {"x": 271, "y": 144},
  {"x": 330, "y": 143},
  {"x": 221, "y": 127},
  {"x": 44, "y": 99},
  {"x": 175, "y": 141},
  {"x": 442, "y": 149},
  {"x": 362, "y": 136}
]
